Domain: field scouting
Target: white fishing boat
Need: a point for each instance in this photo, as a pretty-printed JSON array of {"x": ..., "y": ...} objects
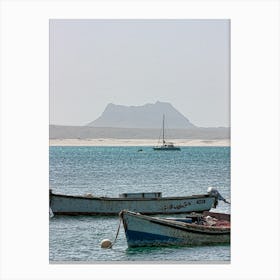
[
  {"x": 146, "y": 203},
  {"x": 195, "y": 230},
  {"x": 165, "y": 146}
]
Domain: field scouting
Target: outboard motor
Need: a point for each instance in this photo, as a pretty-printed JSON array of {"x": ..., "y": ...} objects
[{"x": 214, "y": 192}]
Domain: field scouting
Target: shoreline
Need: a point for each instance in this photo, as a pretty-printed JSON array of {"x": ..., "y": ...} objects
[{"x": 112, "y": 142}]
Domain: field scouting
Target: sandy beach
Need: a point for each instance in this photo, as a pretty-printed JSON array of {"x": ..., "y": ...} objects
[{"x": 136, "y": 142}]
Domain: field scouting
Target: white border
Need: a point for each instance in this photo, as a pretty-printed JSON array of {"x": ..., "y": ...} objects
[{"x": 255, "y": 137}]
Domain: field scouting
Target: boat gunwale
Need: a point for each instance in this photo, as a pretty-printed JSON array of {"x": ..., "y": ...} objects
[
  {"x": 197, "y": 196},
  {"x": 194, "y": 228},
  {"x": 115, "y": 213}
]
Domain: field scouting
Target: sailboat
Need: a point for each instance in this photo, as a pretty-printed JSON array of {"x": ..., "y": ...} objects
[{"x": 165, "y": 146}]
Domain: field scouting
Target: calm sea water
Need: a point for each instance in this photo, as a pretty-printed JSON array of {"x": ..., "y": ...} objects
[{"x": 108, "y": 171}]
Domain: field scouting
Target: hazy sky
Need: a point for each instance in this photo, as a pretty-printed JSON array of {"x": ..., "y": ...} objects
[{"x": 134, "y": 62}]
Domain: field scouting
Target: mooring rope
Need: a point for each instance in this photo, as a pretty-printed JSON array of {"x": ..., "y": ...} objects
[{"x": 118, "y": 230}]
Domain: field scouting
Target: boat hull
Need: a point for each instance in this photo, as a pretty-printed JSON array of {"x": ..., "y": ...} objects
[
  {"x": 141, "y": 230},
  {"x": 80, "y": 205},
  {"x": 167, "y": 148}
]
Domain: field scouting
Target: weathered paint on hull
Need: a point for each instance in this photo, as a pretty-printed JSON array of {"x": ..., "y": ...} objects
[
  {"x": 79, "y": 205},
  {"x": 148, "y": 231}
]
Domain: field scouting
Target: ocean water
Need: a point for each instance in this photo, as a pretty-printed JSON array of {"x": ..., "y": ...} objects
[{"x": 108, "y": 171}]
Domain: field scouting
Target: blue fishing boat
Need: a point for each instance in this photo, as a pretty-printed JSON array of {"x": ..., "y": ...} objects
[{"x": 195, "y": 230}]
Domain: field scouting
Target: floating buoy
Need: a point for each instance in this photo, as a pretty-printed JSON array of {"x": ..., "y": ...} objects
[{"x": 106, "y": 244}]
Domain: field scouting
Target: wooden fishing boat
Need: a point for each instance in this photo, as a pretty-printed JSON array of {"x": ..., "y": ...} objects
[
  {"x": 146, "y": 203},
  {"x": 195, "y": 230}
]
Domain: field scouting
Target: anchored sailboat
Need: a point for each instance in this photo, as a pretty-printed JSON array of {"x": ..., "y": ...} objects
[{"x": 165, "y": 146}]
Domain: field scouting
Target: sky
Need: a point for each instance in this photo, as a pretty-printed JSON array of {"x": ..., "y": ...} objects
[{"x": 134, "y": 62}]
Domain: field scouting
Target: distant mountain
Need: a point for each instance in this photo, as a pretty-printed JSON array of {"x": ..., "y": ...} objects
[{"x": 146, "y": 116}]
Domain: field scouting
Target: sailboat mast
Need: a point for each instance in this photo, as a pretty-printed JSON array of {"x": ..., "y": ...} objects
[{"x": 163, "y": 130}]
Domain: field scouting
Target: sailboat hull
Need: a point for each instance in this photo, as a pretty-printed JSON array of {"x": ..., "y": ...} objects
[{"x": 166, "y": 148}]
